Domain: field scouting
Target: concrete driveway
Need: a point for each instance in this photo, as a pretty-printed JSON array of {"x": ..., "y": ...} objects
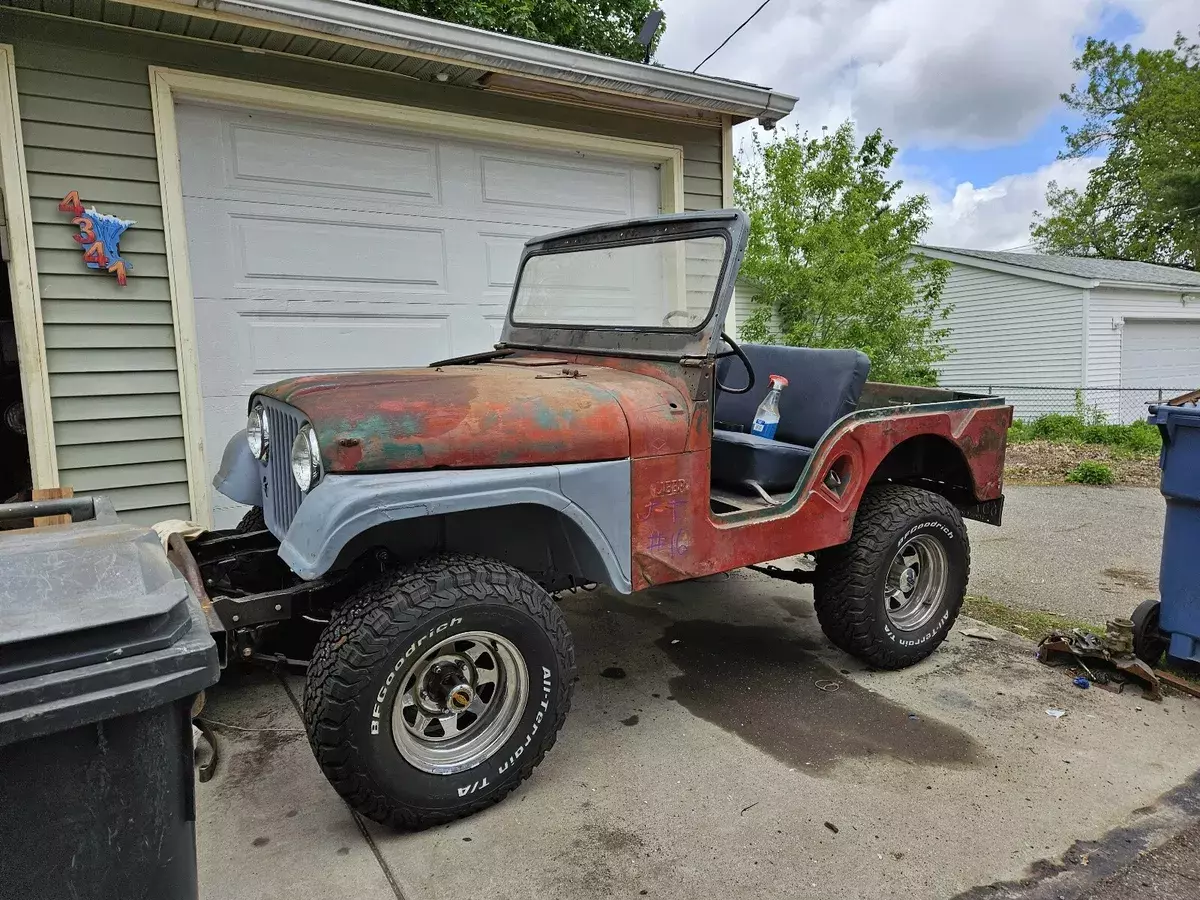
[
  {"x": 718, "y": 767},
  {"x": 1090, "y": 553}
]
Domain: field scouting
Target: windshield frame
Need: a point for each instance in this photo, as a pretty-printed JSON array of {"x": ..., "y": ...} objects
[{"x": 647, "y": 341}]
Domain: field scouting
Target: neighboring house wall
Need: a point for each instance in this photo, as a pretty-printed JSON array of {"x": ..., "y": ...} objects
[
  {"x": 85, "y": 110},
  {"x": 1108, "y": 308},
  {"x": 1006, "y": 330}
]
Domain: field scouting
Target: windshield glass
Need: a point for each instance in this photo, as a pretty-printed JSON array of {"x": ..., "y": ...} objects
[{"x": 668, "y": 285}]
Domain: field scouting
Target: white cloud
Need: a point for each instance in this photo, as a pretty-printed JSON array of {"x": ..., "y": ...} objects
[
  {"x": 1163, "y": 19},
  {"x": 997, "y": 216},
  {"x": 930, "y": 72}
]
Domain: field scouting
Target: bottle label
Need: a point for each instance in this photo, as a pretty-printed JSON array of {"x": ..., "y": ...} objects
[{"x": 763, "y": 428}]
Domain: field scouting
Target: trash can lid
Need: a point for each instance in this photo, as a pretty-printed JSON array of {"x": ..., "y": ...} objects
[
  {"x": 1183, "y": 416},
  {"x": 94, "y": 623},
  {"x": 88, "y": 591}
]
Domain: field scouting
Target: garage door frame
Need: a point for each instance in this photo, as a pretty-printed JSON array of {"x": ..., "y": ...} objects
[
  {"x": 169, "y": 85},
  {"x": 24, "y": 283}
]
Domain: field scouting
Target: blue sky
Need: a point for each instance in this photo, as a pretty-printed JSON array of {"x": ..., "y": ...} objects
[
  {"x": 951, "y": 165},
  {"x": 968, "y": 89}
]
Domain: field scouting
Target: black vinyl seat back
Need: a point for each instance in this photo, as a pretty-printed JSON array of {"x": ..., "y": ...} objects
[{"x": 823, "y": 386}]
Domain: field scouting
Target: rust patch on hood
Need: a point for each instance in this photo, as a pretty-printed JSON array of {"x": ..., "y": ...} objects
[{"x": 475, "y": 416}]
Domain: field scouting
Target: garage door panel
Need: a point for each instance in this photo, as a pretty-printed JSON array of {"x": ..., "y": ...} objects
[
  {"x": 264, "y": 250},
  {"x": 295, "y": 252},
  {"x": 283, "y": 159},
  {"x": 287, "y": 345},
  {"x": 514, "y": 181}
]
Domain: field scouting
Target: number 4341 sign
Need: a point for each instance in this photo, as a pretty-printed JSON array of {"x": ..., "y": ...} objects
[{"x": 100, "y": 236}]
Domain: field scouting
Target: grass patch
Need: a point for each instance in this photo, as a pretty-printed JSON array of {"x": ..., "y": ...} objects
[
  {"x": 1027, "y": 623},
  {"x": 1091, "y": 472},
  {"x": 1138, "y": 438}
]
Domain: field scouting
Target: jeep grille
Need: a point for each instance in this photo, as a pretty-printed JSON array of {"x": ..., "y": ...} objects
[{"x": 282, "y": 494}]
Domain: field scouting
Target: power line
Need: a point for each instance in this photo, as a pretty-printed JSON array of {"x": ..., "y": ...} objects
[{"x": 761, "y": 7}]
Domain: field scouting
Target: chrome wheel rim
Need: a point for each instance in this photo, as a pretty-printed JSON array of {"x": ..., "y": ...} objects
[
  {"x": 460, "y": 702},
  {"x": 916, "y": 583}
]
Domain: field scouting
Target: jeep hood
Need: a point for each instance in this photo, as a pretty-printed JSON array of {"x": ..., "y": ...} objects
[{"x": 493, "y": 414}]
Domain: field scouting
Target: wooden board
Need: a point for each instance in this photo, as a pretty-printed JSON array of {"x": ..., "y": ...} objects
[{"x": 59, "y": 493}]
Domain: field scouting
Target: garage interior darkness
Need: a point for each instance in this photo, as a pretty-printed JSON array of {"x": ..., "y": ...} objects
[{"x": 14, "y": 449}]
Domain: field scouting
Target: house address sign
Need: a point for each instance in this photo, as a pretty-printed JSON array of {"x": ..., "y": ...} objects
[{"x": 99, "y": 235}]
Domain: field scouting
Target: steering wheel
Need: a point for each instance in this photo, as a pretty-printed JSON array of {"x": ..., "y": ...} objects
[
  {"x": 666, "y": 322},
  {"x": 735, "y": 350}
]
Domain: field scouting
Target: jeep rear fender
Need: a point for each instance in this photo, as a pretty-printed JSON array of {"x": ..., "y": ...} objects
[{"x": 342, "y": 509}]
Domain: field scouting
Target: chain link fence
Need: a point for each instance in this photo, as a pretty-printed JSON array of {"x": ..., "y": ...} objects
[{"x": 1100, "y": 405}]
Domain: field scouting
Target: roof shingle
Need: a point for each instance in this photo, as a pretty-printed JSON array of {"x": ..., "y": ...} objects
[{"x": 1086, "y": 267}]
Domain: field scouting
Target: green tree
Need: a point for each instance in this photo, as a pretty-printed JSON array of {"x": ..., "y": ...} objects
[
  {"x": 607, "y": 27},
  {"x": 830, "y": 253},
  {"x": 1142, "y": 109}
]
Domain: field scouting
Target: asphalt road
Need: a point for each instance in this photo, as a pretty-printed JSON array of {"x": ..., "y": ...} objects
[{"x": 1090, "y": 553}]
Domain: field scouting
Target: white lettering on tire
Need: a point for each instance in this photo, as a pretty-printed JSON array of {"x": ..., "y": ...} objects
[
  {"x": 543, "y": 706},
  {"x": 377, "y": 708}
]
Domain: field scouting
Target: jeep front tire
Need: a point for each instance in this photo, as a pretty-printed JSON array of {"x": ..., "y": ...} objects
[
  {"x": 890, "y": 594},
  {"x": 435, "y": 690}
]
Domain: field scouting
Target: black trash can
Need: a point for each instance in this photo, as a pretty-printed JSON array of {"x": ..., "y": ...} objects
[{"x": 103, "y": 649}]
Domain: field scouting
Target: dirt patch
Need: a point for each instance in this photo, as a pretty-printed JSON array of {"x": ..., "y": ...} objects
[
  {"x": 1048, "y": 462},
  {"x": 1134, "y": 578}
]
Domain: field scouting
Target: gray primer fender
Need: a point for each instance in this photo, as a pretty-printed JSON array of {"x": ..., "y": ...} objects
[
  {"x": 240, "y": 475},
  {"x": 593, "y": 495}
]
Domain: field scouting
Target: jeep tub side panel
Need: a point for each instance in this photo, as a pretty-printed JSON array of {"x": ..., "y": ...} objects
[
  {"x": 676, "y": 537},
  {"x": 595, "y": 496}
]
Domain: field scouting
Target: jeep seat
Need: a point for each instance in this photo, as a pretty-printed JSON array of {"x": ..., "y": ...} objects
[{"x": 823, "y": 386}]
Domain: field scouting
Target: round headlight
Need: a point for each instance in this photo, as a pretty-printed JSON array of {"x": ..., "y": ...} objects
[
  {"x": 306, "y": 458},
  {"x": 258, "y": 432}
]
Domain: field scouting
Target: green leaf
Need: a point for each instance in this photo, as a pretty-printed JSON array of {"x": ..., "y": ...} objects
[
  {"x": 830, "y": 253},
  {"x": 607, "y": 27},
  {"x": 1142, "y": 109}
]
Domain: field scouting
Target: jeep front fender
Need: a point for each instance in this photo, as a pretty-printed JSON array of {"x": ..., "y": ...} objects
[
  {"x": 595, "y": 496},
  {"x": 240, "y": 475}
]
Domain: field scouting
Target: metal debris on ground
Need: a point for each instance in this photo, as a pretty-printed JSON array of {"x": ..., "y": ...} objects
[
  {"x": 1114, "y": 649},
  {"x": 977, "y": 634}
]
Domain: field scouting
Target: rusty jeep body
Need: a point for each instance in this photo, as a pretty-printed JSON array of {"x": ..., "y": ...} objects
[{"x": 428, "y": 515}]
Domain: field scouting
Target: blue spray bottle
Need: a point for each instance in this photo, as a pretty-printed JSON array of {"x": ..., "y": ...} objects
[{"x": 766, "y": 420}]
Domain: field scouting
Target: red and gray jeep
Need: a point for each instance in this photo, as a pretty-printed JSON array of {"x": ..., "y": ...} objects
[{"x": 430, "y": 515}]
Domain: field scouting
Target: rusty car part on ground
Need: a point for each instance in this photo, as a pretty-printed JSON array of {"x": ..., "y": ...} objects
[{"x": 1115, "y": 649}]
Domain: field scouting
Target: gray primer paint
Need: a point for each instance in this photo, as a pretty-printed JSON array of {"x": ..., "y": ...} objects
[
  {"x": 593, "y": 495},
  {"x": 240, "y": 475}
]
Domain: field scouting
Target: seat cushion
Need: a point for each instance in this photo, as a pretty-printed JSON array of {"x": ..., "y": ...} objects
[
  {"x": 823, "y": 386},
  {"x": 738, "y": 459}
]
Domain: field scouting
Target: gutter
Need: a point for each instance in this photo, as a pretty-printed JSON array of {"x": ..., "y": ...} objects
[{"x": 490, "y": 51}]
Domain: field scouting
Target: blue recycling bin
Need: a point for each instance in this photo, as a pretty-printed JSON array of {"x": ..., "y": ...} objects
[{"x": 1179, "y": 575}]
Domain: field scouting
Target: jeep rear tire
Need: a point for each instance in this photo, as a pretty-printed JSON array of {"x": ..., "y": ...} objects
[
  {"x": 435, "y": 690},
  {"x": 890, "y": 594}
]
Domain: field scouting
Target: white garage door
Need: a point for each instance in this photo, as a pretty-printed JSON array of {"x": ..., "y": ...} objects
[
  {"x": 1158, "y": 354},
  {"x": 318, "y": 246}
]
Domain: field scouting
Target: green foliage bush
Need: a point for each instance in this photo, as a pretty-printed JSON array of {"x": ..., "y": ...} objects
[
  {"x": 1139, "y": 437},
  {"x": 1091, "y": 472}
]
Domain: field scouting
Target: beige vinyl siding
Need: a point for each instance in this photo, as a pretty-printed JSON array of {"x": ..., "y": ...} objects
[
  {"x": 1006, "y": 330},
  {"x": 85, "y": 109}
]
